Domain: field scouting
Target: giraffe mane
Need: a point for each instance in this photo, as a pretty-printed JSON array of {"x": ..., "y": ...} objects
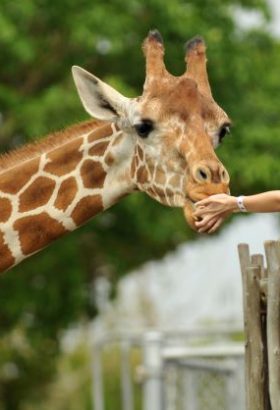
[{"x": 47, "y": 143}]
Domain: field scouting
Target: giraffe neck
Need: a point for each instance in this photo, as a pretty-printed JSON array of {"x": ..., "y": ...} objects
[{"x": 49, "y": 189}]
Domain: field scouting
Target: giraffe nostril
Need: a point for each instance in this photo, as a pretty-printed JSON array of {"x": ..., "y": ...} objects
[
  {"x": 224, "y": 176},
  {"x": 210, "y": 173},
  {"x": 202, "y": 174}
]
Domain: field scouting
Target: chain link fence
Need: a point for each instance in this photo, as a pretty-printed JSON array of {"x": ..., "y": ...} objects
[
  {"x": 204, "y": 385},
  {"x": 175, "y": 373}
]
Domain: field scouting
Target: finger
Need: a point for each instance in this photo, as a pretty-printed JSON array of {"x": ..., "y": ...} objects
[
  {"x": 204, "y": 211},
  {"x": 199, "y": 224},
  {"x": 200, "y": 213},
  {"x": 205, "y": 218},
  {"x": 208, "y": 225},
  {"x": 203, "y": 222},
  {"x": 215, "y": 226}
]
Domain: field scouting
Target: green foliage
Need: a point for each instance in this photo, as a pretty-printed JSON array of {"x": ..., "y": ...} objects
[
  {"x": 39, "y": 41},
  {"x": 71, "y": 388}
]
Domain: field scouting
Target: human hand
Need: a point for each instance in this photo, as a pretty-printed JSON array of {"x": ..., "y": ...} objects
[
  {"x": 215, "y": 205},
  {"x": 210, "y": 223},
  {"x": 212, "y": 211}
]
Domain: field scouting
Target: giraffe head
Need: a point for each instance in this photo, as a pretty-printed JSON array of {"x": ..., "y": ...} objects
[{"x": 171, "y": 130}]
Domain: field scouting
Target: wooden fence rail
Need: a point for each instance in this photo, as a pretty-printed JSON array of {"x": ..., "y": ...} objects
[{"x": 261, "y": 304}]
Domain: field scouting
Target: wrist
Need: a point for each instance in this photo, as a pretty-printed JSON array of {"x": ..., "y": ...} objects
[{"x": 232, "y": 204}]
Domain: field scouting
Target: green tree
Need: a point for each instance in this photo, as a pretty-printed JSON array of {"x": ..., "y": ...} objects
[{"x": 39, "y": 41}]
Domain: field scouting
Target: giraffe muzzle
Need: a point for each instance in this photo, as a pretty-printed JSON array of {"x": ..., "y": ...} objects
[{"x": 207, "y": 178}]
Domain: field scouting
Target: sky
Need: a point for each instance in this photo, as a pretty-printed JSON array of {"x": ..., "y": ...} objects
[
  {"x": 247, "y": 19},
  {"x": 275, "y": 25}
]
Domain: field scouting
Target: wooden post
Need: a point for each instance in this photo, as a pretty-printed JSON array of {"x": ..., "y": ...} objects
[
  {"x": 261, "y": 302},
  {"x": 258, "y": 260},
  {"x": 244, "y": 260},
  {"x": 263, "y": 305},
  {"x": 272, "y": 249},
  {"x": 254, "y": 349}
]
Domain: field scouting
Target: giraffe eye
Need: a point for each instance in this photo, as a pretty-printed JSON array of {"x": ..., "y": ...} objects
[
  {"x": 224, "y": 130},
  {"x": 144, "y": 128}
]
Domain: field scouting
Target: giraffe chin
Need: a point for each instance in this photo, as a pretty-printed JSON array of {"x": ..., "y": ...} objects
[{"x": 188, "y": 213}]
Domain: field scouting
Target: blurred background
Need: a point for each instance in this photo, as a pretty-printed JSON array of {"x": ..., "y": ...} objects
[{"x": 49, "y": 302}]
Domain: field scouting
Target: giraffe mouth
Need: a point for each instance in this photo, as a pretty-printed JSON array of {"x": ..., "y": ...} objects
[
  {"x": 190, "y": 201},
  {"x": 189, "y": 209}
]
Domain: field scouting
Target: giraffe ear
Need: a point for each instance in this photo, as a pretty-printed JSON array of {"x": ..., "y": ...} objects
[{"x": 99, "y": 99}]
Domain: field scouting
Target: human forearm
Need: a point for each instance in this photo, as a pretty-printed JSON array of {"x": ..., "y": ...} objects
[{"x": 265, "y": 202}]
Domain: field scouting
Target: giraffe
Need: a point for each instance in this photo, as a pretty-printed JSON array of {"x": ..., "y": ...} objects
[{"x": 161, "y": 143}]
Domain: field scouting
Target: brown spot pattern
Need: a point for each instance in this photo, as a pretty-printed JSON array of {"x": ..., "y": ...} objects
[
  {"x": 93, "y": 174},
  {"x": 56, "y": 139},
  {"x": 99, "y": 148},
  {"x": 159, "y": 191},
  {"x": 151, "y": 192},
  {"x": 65, "y": 158},
  {"x": 37, "y": 194},
  {"x": 5, "y": 209},
  {"x": 14, "y": 179},
  {"x": 100, "y": 133},
  {"x": 160, "y": 177},
  {"x": 133, "y": 168},
  {"x": 109, "y": 159},
  {"x": 6, "y": 258},
  {"x": 142, "y": 175},
  {"x": 140, "y": 153},
  {"x": 86, "y": 208},
  {"x": 175, "y": 181},
  {"x": 66, "y": 193},
  {"x": 169, "y": 192},
  {"x": 37, "y": 231}
]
